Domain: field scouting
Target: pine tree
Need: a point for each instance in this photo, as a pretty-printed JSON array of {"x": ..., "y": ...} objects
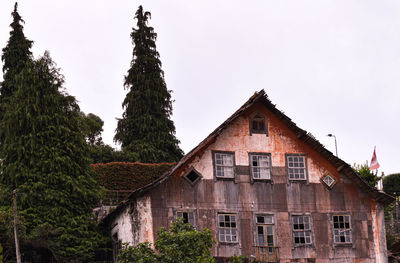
[
  {"x": 46, "y": 160},
  {"x": 15, "y": 55},
  {"x": 146, "y": 128}
]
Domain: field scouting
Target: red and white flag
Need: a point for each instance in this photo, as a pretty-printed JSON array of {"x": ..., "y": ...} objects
[{"x": 374, "y": 162}]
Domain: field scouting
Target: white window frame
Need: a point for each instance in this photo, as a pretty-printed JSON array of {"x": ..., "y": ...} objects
[
  {"x": 342, "y": 229},
  {"x": 221, "y": 168},
  {"x": 227, "y": 229},
  {"x": 294, "y": 167},
  {"x": 306, "y": 232},
  {"x": 258, "y": 169}
]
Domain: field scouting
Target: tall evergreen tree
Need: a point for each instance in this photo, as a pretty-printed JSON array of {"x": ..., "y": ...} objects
[
  {"x": 146, "y": 128},
  {"x": 15, "y": 55},
  {"x": 46, "y": 160}
]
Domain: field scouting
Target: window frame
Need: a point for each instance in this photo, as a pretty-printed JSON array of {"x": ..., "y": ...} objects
[
  {"x": 251, "y": 154},
  {"x": 257, "y": 131},
  {"x": 214, "y": 153},
  {"x": 325, "y": 184},
  {"x": 197, "y": 179},
  {"x": 273, "y": 224},
  {"x": 219, "y": 228},
  {"x": 305, "y": 179},
  {"x": 343, "y": 244},
  {"x": 310, "y": 230},
  {"x": 192, "y": 211}
]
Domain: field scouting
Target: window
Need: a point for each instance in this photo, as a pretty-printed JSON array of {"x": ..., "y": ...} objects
[
  {"x": 260, "y": 166},
  {"x": 187, "y": 217},
  {"x": 193, "y": 177},
  {"x": 301, "y": 230},
  {"x": 224, "y": 165},
  {"x": 328, "y": 180},
  {"x": 341, "y": 229},
  {"x": 265, "y": 230},
  {"x": 296, "y": 166},
  {"x": 227, "y": 228},
  {"x": 258, "y": 124}
]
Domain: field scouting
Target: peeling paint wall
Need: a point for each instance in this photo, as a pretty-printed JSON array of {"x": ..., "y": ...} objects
[
  {"x": 134, "y": 224},
  {"x": 123, "y": 227},
  {"x": 279, "y": 198}
]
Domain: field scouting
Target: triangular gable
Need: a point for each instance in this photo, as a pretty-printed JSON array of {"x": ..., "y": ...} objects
[{"x": 261, "y": 97}]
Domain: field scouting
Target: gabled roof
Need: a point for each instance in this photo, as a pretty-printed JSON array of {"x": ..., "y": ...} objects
[{"x": 302, "y": 135}]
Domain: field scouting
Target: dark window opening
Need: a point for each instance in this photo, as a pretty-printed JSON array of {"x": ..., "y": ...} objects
[
  {"x": 187, "y": 217},
  {"x": 341, "y": 229},
  {"x": 192, "y": 176},
  {"x": 258, "y": 124}
]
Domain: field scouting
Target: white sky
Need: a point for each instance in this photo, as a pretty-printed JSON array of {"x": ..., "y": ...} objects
[{"x": 332, "y": 66}]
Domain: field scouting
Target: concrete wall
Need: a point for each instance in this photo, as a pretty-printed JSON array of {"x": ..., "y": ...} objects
[{"x": 279, "y": 198}]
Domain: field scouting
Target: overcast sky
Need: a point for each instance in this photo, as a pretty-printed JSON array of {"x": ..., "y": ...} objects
[{"x": 331, "y": 66}]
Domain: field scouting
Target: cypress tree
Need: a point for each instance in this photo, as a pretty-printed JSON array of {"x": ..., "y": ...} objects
[
  {"x": 15, "y": 55},
  {"x": 46, "y": 160},
  {"x": 145, "y": 128}
]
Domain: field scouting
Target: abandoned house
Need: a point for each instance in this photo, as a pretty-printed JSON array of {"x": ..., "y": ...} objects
[{"x": 268, "y": 190}]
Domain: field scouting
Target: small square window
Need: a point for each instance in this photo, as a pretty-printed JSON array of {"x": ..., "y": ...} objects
[
  {"x": 193, "y": 177},
  {"x": 341, "y": 229},
  {"x": 328, "y": 180},
  {"x": 187, "y": 217},
  {"x": 224, "y": 165},
  {"x": 227, "y": 228},
  {"x": 296, "y": 167},
  {"x": 260, "y": 166}
]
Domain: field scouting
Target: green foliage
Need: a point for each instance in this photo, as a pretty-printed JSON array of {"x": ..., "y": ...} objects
[
  {"x": 141, "y": 253},
  {"x": 15, "y": 55},
  {"x": 45, "y": 159},
  {"x": 370, "y": 177},
  {"x": 182, "y": 244},
  {"x": 92, "y": 127},
  {"x": 103, "y": 153},
  {"x": 128, "y": 176},
  {"x": 391, "y": 184},
  {"x": 237, "y": 259},
  {"x": 146, "y": 128}
]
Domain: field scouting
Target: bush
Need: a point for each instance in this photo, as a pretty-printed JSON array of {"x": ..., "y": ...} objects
[{"x": 181, "y": 244}]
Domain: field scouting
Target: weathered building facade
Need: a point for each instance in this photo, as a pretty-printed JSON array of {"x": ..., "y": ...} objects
[{"x": 266, "y": 189}]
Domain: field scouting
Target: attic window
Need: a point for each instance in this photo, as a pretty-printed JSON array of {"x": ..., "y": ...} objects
[
  {"x": 193, "y": 176},
  {"x": 258, "y": 124},
  {"x": 328, "y": 180}
]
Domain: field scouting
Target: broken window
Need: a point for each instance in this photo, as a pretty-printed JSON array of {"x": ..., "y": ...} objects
[
  {"x": 296, "y": 166},
  {"x": 260, "y": 166},
  {"x": 193, "y": 176},
  {"x": 187, "y": 217},
  {"x": 341, "y": 229},
  {"x": 224, "y": 165},
  {"x": 301, "y": 229},
  {"x": 258, "y": 124},
  {"x": 227, "y": 228},
  {"x": 265, "y": 231}
]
